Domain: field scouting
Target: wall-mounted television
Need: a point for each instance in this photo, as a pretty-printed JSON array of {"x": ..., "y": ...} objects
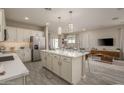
[{"x": 105, "y": 42}]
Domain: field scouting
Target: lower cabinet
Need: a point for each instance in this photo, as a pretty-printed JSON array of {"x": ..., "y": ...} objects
[
  {"x": 43, "y": 58},
  {"x": 56, "y": 64},
  {"x": 49, "y": 61},
  {"x": 24, "y": 54},
  {"x": 66, "y": 72},
  {"x": 20, "y": 54},
  {"x": 27, "y": 55}
]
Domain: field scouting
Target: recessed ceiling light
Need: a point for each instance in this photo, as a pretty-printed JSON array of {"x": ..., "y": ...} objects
[{"x": 26, "y": 18}]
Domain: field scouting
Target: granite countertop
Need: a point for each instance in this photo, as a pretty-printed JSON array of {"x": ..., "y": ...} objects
[
  {"x": 13, "y": 69},
  {"x": 67, "y": 53}
]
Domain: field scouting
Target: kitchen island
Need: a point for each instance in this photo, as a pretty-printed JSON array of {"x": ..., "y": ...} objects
[{"x": 65, "y": 64}]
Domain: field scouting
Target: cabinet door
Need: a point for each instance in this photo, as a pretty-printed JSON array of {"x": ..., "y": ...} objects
[
  {"x": 43, "y": 58},
  {"x": 2, "y": 25},
  {"x": 37, "y": 33},
  {"x": 11, "y": 34},
  {"x": 34, "y": 33},
  {"x": 40, "y": 34},
  {"x": 66, "y": 68},
  {"x": 27, "y": 55},
  {"x": 26, "y": 36},
  {"x": 56, "y": 66},
  {"x": 20, "y": 34},
  {"x": 20, "y": 53},
  {"x": 1, "y": 17},
  {"x": 49, "y": 61}
]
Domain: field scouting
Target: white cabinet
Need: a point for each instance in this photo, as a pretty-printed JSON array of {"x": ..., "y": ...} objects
[
  {"x": 37, "y": 33},
  {"x": 23, "y": 34},
  {"x": 40, "y": 33},
  {"x": 24, "y": 54},
  {"x": 27, "y": 56},
  {"x": 1, "y": 30},
  {"x": 33, "y": 33},
  {"x": 43, "y": 58},
  {"x": 26, "y": 35},
  {"x": 21, "y": 54},
  {"x": 49, "y": 60},
  {"x": 20, "y": 34},
  {"x": 2, "y": 24},
  {"x": 66, "y": 68},
  {"x": 56, "y": 66},
  {"x": 60, "y": 65},
  {"x": 11, "y": 34}
]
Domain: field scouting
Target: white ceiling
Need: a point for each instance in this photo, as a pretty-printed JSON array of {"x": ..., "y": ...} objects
[{"x": 89, "y": 18}]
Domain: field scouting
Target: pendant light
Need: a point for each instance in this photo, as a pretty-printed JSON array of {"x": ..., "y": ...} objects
[
  {"x": 59, "y": 27},
  {"x": 70, "y": 25}
]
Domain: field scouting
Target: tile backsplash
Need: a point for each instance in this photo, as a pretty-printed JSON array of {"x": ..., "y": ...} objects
[{"x": 15, "y": 45}]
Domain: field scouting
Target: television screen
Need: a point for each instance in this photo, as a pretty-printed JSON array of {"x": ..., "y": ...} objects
[{"x": 105, "y": 42}]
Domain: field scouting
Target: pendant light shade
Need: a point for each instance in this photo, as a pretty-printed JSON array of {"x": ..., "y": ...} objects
[
  {"x": 59, "y": 27},
  {"x": 59, "y": 30},
  {"x": 70, "y": 25}
]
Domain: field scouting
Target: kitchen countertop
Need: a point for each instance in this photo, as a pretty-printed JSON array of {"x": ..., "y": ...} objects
[
  {"x": 72, "y": 54},
  {"x": 13, "y": 69}
]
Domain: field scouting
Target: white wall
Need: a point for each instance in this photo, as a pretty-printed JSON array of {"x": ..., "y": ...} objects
[{"x": 88, "y": 39}]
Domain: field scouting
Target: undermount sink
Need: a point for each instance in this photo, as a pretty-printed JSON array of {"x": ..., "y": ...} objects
[{"x": 6, "y": 58}]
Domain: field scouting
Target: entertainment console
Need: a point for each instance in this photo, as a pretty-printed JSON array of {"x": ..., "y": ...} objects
[{"x": 106, "y": 56}]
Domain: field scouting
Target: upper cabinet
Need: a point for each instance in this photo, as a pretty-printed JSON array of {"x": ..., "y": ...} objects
[
  {"x": 27, "y": 34},
  {"x": 11, "y": 34},
  {"x": 24, "y": 34},
  {"x": 2, "y": 24},
  {"x": 21, "y": 34},
  {"x": 37, "y": 33}
]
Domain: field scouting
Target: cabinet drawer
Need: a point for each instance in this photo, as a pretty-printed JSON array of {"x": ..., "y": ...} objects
[{"x": 66, "y": 59}]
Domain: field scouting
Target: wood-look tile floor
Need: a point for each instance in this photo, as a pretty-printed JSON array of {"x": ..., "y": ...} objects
[{"x": 100, "y": 74}]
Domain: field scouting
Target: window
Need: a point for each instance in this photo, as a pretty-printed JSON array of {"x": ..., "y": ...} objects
[
  {"x": 55, "y": 43},
  {"x": 71, "y": 39}
]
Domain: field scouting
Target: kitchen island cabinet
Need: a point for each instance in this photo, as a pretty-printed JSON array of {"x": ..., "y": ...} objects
[{"x": 67, "y": 65}]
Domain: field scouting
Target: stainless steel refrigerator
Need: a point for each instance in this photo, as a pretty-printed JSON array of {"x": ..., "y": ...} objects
[{"x": 37, "y": 43}]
